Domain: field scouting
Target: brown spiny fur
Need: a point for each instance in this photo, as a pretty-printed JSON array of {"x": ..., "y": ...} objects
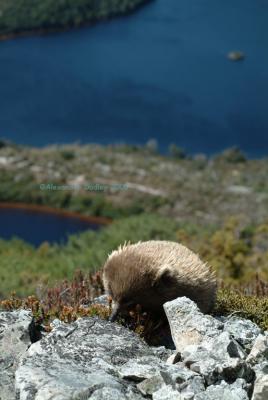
[{"x": 151, "y": 273}]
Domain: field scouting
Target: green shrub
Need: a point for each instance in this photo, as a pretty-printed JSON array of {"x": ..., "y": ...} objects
[
  {"x": 176, "y": 151},
  {"x": 236, "y": 251},
  {"x": 250, "y": 307},
  {"x": 67, "y": 154},
  {"x": 232, "y": 155}
]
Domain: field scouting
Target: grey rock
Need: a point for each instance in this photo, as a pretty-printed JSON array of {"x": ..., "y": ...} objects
[
  {"x": 174, "y": 358},
  {"x": 56, "y": 323},
  {"x": 261, "y": 383},
  {"x": 188, "y": 325},
  {"x": 176, "y": 375},
  {"x": 207, "y": 346},
  {"x": 244, "y": 331},
  {"x": 14, "y": 341},
  {"x": 162, "y": 352},
  {"x": 242, "y": 384},
  {"x": 259, "y": 351},
  {"x": 138, "y": 370},
  {"x": 224, "y": 346},
  {"x": 151, "y": 385},
  {"x": 101, "y": 300},
  {"x": 194, "y": 386},
  {"x": 107, "y": 393},
  {"x": 76, "y": 360},
  {"x": 167, "y": 393},
  {"x": 223, "y": 391},
  {"x": 218, "y": 358},
  {"x": 185, "y": 381},
  {"x": 187, "y": 396}
]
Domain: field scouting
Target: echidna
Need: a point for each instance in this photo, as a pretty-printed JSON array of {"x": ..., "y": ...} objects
[{"x": 154, "y": 272}]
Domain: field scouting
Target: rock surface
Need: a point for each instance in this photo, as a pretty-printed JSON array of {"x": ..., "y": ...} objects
[
  {"x": 188, "y": 325},
  {"x": 223, "y": 391},
  {"x": 14, "y": 341},
  {"x": 76, "y": 360},
  {"x": 259, "y": 350},
  {"x": 244, "y": 331},
  {"x": 215, "y": 358},
  {"x": 261, "y": 383}
]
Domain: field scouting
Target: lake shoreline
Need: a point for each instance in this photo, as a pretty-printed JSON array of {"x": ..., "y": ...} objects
[
  {"x": 56, "y": 211},
  {"x": 84, "y": 24},
  {"x": 39, "y": 32}
]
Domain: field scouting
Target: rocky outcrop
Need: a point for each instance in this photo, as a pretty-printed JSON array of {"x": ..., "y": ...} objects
[
  {"x": 236, "y": 55},
  {"x": 14, "y": 342},
  {"x": 261, "y": 383},
  {"x": 215, "y": 358},
  {"x": 81, "y": 360}
]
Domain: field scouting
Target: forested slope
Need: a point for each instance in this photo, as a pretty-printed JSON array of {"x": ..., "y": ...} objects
[{"x": 17, "y": 16}]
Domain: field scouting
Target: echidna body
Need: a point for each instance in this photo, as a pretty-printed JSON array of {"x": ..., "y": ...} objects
[{"x": 154, "y": 272}]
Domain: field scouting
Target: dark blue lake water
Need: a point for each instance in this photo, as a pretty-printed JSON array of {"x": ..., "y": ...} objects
[
  {"x": 160, "y": 73},
  {"x": 36, "y": 227}
]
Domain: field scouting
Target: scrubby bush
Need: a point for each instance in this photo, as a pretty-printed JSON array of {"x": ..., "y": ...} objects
[
  {"x": 236, "y": 251},
  {"x": 66, "y": 301},
  {"x": 232, "y": 155},
  {"x": 67, "y": 154},
  {"x": 176, "y": 151}
]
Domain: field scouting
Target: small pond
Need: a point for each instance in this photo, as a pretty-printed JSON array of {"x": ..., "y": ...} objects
[{"x": 36, "y": 226}]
